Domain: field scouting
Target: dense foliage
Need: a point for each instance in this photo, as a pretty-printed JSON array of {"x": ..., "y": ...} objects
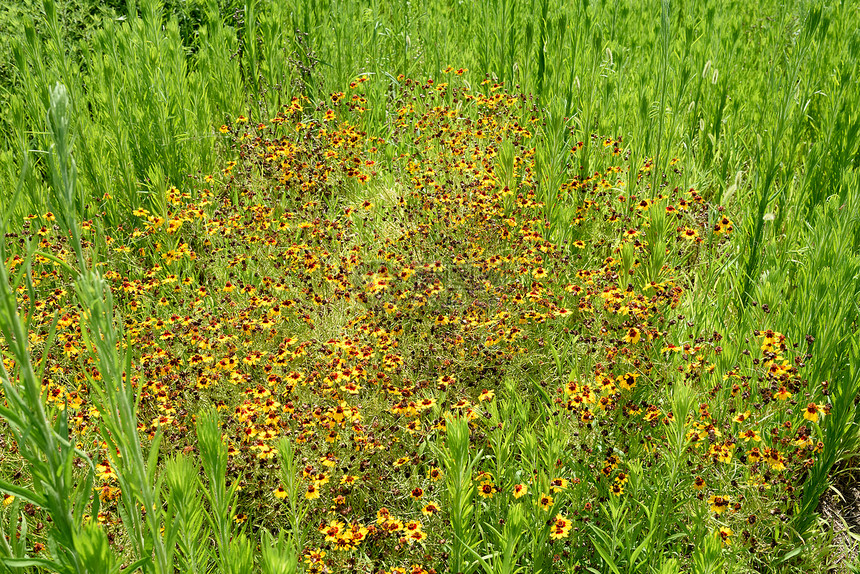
[{"x": 428, "y": 286}]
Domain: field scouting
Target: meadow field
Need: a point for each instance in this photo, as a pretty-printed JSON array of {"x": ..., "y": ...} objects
[{"x": 429, "y": 286}]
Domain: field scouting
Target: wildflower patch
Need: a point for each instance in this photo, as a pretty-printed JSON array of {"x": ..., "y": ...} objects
[{"x": 363, "y": 296}]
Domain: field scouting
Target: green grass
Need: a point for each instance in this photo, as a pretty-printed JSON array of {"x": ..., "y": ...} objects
[{"x": 751, "y": 104}]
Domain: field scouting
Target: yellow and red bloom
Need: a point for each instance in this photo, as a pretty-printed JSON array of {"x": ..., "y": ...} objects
[
  {"x": 812, "y": 412},
  {"x": 487, "y": 489},
  {"x": 312, "y": 492},
  {"x": 545, "y": 501},
  {"x": 719, "y": 504},
  {"x": 560, "y": 527},
  {"x": 558, "y": 484},
  {"x": 724, "y": 534}
]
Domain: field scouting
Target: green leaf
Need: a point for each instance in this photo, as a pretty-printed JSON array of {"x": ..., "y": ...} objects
[
  {"x": 557, "y": 359},
  {"x": 28, "y": 562},
  {"x": 152, "y": 460},
  {"x": 49, "y": 342},
  {"x": 48, "y": 255},
  {"x": 543, "y": 393},
  {"x": 12, "y": 416},
  {"x": 20, "y": 541},
  {"x": 82, "y": 496},
  {"x": 93, "y": 549},
  {"x": 602, "y": 547},
  {"x": 21, "y": 493},
  {"x": 641, "y": 548},
  {"x": 482, "y": 560},
  {"x": 791, "y": 554},
  {"x": 13, "y": 201},
  {"x": 135, "y": 566}
]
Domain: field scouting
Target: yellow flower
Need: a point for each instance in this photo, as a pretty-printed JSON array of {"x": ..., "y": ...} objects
[
  {"x": 104, "y": 471},
  {"x": 690, "y": 234},
  {"x": 775, "y": 459},
  {"x": 487, "y": 489},
  {"x": 719, "y": 504},
  {"x": 742, "y": 417},
  {"x": 750, "y": 434},
  {"x": 412, "y": 526},
  {"x": 315, "y": 556},
  {"x": 812, "y": 412},
  {"x": 383, "y": 515},
  {"x": 560, "y": 527},
  {"x": 332, "y": 530},
  {"x": 633, "y": 335},
  {"x": 545, "y": 501},
  {"x": 627, "y": 381},
  {"x": 754, "y": 455}
]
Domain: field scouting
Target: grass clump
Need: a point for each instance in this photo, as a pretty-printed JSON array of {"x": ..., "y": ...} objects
[
  {"x": 552, "y": 309},
  {"x": 366, "y": 337}
]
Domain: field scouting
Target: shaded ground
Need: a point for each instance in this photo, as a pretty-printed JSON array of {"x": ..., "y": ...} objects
[{"x": 840, "y": 508}]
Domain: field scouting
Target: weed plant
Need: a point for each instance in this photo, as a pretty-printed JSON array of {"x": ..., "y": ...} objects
[{"x": 584, "y": 300}]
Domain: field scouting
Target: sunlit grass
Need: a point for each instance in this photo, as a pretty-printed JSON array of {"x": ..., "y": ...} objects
[
  {"x": 360, "y": 326},
  {"x": 584, "y": 300}
]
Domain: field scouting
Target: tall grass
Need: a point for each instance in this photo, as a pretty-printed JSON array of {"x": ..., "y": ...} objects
[
  {"x": 690, "y": 84},
  {"x": 757, "y": 100},
  {"x": 672, "y": 80},
  {"x": 159, "y": 535},
  {"x": 148, "y": 116}
]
